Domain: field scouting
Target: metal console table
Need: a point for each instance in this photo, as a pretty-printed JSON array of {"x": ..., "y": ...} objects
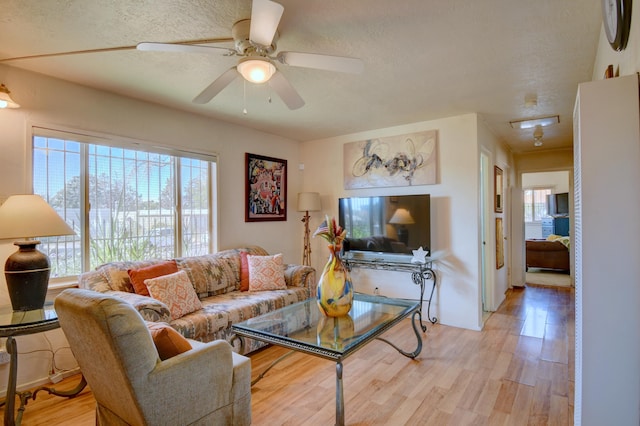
[{"x": 420, "y": 273}]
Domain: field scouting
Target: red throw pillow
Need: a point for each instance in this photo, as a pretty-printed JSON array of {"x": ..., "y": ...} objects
[
  {"x": 137, "y": 276},
  {"x": 244, "y": 272},
  {"x": 168, "y": 341}
]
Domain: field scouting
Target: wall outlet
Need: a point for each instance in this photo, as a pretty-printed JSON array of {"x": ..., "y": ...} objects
[
  {"x": 5, "y": 357},
  {"x": 56, "y": 377}
]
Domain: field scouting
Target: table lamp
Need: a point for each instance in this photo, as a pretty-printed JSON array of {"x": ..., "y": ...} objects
[
  {"x": 307, "y": 202},
  {"x": 27, "y": 270},
  {"x": 402, "y": 217}
]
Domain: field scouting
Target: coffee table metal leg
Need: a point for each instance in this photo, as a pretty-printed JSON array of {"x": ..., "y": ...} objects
[
  {"x": 339, "y": 396},
  {"x": 415, "y": 353}
]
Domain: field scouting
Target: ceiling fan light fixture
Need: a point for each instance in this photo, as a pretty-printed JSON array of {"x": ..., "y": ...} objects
[
  {"x": 538, "y": 133},
  {"x": 256, "y": 69},
  {"x": 5, "y": 98}
]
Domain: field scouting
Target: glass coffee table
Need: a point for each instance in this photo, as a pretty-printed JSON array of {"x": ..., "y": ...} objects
[{"x": 303, "y": 328}]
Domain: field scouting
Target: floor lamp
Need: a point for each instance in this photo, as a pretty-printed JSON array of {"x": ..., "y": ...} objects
[
  {"x": 27, "y": 270},
  {"x": 307, "y": 202}
]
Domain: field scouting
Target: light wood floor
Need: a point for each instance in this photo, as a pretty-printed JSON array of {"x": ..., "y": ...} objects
[{"x": 517, "y": 371}]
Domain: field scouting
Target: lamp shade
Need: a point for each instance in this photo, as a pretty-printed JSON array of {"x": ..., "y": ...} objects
[
  {"x": 28, "y": 216},
  {"x": 402, "y": 217},
  {"x": 309, "y": 202},
  {"x": 256, "y": 69},
  {"x": 5, "y": 98}
]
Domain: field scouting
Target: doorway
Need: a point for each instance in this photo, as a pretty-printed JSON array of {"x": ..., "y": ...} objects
[
  {"x": 547, "y": 199},
  {"x": 486, "y": 248}
]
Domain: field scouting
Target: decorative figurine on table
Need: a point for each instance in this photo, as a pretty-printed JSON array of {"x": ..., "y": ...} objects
[{"x": 420, "y": 256}]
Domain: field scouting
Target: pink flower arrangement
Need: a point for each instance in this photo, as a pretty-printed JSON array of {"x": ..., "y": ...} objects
[{"x": 331, "y": 231}]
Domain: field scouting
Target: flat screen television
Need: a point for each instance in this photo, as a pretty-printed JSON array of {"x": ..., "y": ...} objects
[
  {"x": 387, "y": 224},
  {"x": 558, "y": 204}
]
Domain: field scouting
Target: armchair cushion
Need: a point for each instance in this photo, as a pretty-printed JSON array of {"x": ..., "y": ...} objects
[
  {"x": 175, "y": 291},
  {"x": 168, "y": 341}
]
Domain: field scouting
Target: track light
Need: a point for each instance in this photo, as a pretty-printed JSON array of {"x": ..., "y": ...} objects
[
  {"x": 5, "y": 98},
  {"x": 256, "y": 69},
  {"x": 533, "y": 122}
]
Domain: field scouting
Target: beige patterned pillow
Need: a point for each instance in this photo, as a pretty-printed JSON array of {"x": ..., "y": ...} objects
[
  {"x": 266, "y": 273},
  {"x": 176, "y": 291}
]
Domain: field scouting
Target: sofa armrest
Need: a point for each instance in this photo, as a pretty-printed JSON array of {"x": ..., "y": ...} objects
[
  {"x": 149, "y": 308},
  {"x": 301, "y": 276}
]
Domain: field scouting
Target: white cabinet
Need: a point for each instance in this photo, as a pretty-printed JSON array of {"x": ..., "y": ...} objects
[{"x": 607, "y": 251}]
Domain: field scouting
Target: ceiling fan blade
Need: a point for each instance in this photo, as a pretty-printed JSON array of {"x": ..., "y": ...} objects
[
  {"x": 216, "y": 87},
  {"x": 322, "y": 62},
  {"x": 177, "y": 47},
  {"x": 265, "y": 17},
  {"x": 286, "y": 91}
]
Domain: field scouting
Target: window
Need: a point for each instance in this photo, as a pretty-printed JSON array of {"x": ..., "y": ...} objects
[
  {"x": 535, "y": 204},
  {"x": 123, "y": 202}
]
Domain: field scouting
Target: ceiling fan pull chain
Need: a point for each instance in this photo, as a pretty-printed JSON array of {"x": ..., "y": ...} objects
[{"x": 244, "y": 96}]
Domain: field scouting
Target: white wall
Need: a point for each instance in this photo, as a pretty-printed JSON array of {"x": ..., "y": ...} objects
[
  {"x": 596, "y": 352},
  {"x": 454, "y": 209},
  {"x": 557, "y": 181},
  {"x": 47, "y": 101},
  {"x": 607, "y": 250}
]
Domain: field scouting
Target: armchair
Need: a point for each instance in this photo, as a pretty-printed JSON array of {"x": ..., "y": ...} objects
[{"x": 209, "y": 384}]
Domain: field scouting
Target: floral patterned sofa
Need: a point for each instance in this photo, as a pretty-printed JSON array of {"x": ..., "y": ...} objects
[{"x": 216, "y": 279}]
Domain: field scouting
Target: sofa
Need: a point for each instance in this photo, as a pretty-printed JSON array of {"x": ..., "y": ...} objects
[
  {"x": 216, "y": 279},
  {"x": 547, "y": 254}
]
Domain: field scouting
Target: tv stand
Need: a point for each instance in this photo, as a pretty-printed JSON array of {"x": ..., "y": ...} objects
[{"x": 420, "y": 273}]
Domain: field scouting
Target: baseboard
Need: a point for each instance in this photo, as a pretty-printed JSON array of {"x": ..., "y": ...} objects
[{"x": 45, "y": 381}]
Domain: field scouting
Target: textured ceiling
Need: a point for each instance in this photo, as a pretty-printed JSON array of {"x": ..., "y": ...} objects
[{"x": 424, "y": 59}]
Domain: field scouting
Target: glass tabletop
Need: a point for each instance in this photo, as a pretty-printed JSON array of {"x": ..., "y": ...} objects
[
  {"x": 303, "y": 327},
  {"x": 27, "y": 322}
]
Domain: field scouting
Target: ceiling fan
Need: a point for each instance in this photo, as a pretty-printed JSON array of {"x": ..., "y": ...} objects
[{"x": 255, "y": 44}]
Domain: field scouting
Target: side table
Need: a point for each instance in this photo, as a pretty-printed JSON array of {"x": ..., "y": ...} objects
[{"x": 21, "y": 323}]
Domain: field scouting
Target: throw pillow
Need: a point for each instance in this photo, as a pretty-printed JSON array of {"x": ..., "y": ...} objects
[
  {"x": 168, "y": 341},
  {"x": 266, "y": 273},
  {"x": 244, "y": 271},
  {"x": 175, "y": 291},
  {"x": 137, "y": 276}
]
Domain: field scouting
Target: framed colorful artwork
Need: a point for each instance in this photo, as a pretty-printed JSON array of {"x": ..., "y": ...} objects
[{"x": 265, "y": 188}]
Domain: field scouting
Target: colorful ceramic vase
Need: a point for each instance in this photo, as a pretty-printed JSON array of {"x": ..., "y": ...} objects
[{"x": 335, "y": 291}]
